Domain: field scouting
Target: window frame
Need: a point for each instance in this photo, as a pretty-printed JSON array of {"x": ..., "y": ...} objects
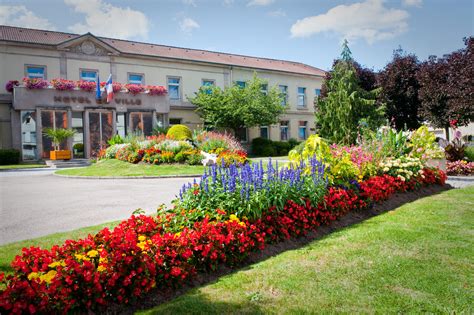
[
  {"x": 287, "y": 127},
  {"x": 88, "y": 70},
  {"x": 180, "y": 87},
  {"x": 286, "y": 98},
  {"x": 299, "y": 95},
  {"x": 241, "y": 86},
  {"x": 170, "y": 118},
  {"x": 264, "y": 88},
  {"x": 268, "y": 132},
  {"x": 300, "y": 127},
  {"x": 208, "y": 80},
  {"x": 136, "y": 73},
  {"x": 316, "y": 93},
  {"x": 45, "y": 70}
]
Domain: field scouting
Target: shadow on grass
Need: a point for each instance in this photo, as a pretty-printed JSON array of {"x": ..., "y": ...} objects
[
  {"x": 197, "y": 303},
  {"x": 6, "y": 268},
  {"x": 200, "y": 304}
]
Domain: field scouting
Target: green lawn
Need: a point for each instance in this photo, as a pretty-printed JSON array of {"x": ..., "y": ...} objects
[
  {"x": 418, "y": 258},
  {"x": 120, "y": 168},
  {"x": 9, "y": 251},
  {"x": 20, "y": 166}
]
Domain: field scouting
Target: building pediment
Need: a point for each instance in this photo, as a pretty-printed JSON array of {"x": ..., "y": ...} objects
[{"x": 88, "y": 44}]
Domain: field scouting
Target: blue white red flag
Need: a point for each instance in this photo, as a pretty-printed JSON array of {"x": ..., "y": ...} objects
[{"x": 109, "y": 89}]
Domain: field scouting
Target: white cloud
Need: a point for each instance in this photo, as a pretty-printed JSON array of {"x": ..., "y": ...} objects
[
  {"x": 412, "y": 3},
  {"x": 104, "y": 19},
  {"x": 260, "y": 2},
  {"x": 187, "y": 25},
  {"x": 228, "y": 2},
  {"x": 369, "y": 20},
  {"x": 190, "y": 2},
  {"x": 19, "y": 15},
  {"x": 277, "y": 13}
]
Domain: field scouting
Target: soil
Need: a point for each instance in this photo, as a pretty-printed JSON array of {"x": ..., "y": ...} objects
[{"x": 159, "y": 296}]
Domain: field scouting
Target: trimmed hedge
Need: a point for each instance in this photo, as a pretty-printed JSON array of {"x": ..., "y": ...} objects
[
  {"x": 267, "y": 147},
  {"x": 180, "y": 132},
  {"x": 9, "y": 156}
]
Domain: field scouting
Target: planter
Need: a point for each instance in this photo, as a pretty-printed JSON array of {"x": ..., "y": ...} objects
[
  {"x": 439, "y": 163},
  {"x": 60, "y": 155}
]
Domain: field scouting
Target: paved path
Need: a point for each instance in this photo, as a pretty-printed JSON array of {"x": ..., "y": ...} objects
[{"x": 34, "y": 203}]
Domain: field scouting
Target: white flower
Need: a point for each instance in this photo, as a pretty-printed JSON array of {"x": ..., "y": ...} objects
[
  {"x": 401, "y": 177},
  {"x": 386, "y": 169}
]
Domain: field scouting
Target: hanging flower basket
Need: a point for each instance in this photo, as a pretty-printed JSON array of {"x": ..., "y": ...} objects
[
  {"x": 63, "y": 84},
  {"x": 87, "y": 86}
]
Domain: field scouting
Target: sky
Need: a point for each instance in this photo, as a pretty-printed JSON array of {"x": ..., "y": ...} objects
[{"x": 307, "y": 31}]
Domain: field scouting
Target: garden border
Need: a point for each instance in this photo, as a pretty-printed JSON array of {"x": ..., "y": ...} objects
[
  {"x": 128, "y": 177},
  {"x": 159, "y": 296}
]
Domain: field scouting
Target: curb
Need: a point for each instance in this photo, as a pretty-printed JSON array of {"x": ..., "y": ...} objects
[
  {"x": 128, "y": 177},
  {"x": 462, "y": 178}
]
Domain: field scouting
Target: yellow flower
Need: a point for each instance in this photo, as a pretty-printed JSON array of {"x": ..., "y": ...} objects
[
  {"x": 178, "y": 234},
  {"x": 233, "y": 217},
  {"x": 92, "y": 253},
  {"x": 142, "y": 245},
  {"x": 49, "y": 276},
  {"x": 33, "y": 275},
  {"x": 101, "y": 268},
  {"x": 141, "y": 238},
  {"x": 81, "y": 257},
  {"x": 57, "y": 263},
  {"x": 242, "y": 223}
]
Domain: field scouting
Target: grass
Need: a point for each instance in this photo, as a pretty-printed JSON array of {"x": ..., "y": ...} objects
[
  {"x": 415, "y": 259},
  {"x": 9, "y": 251},
  {"x": 20, "y": 166},
  {"x": 121, "y": 168}
]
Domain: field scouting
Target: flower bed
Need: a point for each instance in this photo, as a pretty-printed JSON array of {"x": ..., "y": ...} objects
[
  {"x": 146, "y": 252},
  {"x": 460, "y": 168}
]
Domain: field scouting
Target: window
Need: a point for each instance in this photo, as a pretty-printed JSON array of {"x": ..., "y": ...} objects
[
  {"x": 89, "y": 75},
  {"x": 264, "y": 89},
  {"x": 135, "y": 78},
  {"x": 120, "y": 123},
  {"x": 284, "y": 134},
  {"x": 36, "y": 72},
  {"x": 240, "y": 84},
  {"x": 284, "y": 94},
  {"x": 141, "y": 123},
  {"x": 206, "y": 82},
  {"x": 175, "y": 121},
  {"x": 264, "y": 132},
  {"x": 302, "y": 130},
  {"x": 301, "y": 97},
  {"x": 77, "y": 123},
  {"x": 317, "y": 92},
  {"x": 241, "y": 134},
  {"x": 174, "y": 88}
]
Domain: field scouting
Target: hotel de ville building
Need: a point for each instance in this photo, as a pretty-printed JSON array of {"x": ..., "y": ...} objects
[{"x": 32, "y": 53}]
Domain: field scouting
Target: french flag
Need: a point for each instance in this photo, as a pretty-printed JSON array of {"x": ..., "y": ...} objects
[{"x": 109, "y": 89}]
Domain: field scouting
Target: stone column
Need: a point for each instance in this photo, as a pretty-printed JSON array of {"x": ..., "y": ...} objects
[
  {"x": 114, "y": 122},
  {"x": 69, "y": 126},
  {"x": 39, "y": 134},
  {"x": 87, "y": 150}
]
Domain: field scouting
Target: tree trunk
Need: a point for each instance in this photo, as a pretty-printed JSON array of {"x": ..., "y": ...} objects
[{"x": 446, "y": 130}]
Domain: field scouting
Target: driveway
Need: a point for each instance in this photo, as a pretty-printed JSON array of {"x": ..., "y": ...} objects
[{"x": 34, "y": 203}]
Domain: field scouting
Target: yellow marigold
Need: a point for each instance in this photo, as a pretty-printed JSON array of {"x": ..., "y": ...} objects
[
  {"x": 233, "y": 217},
  {"x": 178, "y": 234},
  {"x": 101, "y": 268},
  {"x": 141, "y": 238},
  {"x": 92, "y": 253},
  {"x": 142, "y": 245},
  {"x": 48, "y": 277},
  {"x": 242, "y": 223},
  {"x": 33, "y": 275},
  {"x": 81, "y": 257},
  {"x": 57, "y": 263},
  {"x": 103, "y": 260}
]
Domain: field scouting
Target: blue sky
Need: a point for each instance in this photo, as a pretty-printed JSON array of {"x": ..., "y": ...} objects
[{"x": 308, "y": 31}]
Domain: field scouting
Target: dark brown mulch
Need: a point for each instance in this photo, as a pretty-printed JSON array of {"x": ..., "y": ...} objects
[{"x": 157, "y": 297}]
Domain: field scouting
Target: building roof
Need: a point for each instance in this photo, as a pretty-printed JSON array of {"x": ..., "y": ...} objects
[{"x": 34, "y": 36}]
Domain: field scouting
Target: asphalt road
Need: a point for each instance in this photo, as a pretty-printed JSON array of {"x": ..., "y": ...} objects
[{"x": 34, "y": 203}]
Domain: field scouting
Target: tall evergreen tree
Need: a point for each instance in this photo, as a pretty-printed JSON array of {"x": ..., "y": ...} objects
[{"x": 346, "y": 106}]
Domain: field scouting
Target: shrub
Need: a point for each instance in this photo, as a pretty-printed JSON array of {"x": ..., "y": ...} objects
[
  {"x": 423, "y": 145},
  {"x": 211, "y": 142},
  {"x": 117, "y": 139},
  {"x": 79, "y": 147},
  {"x": 179, "y": 132},
  {"x": 9, "y": 156},
  {"x": 469, "y": 153},
  {"x": 267, "y": 147},
  {"x": 193, "y": 157}
]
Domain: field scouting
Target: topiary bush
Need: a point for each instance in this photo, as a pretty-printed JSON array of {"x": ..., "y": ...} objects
[
  {"x": 180, "y": 132},
  {"x": 9, "y": 156},
  {"x": 267, "y": 147}
]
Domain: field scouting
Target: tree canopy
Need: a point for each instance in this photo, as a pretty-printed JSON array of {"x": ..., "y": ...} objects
[
  {"x": 239, "y": 107},
  {"x": 400, "y": 86},
  {"x": 447, "y": 87}
]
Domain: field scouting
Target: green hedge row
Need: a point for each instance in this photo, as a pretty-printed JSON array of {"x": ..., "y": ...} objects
[
  {"x": 9, "y": 156},
  {"x": 267, "y": 147}
]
